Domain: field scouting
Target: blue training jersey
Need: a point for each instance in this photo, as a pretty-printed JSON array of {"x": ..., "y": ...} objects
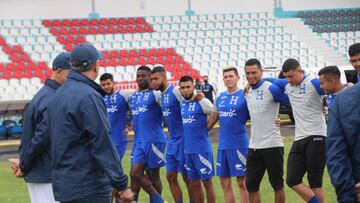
[
  {"x": 170, "y": 105},
  {"x": 117, "y": 109},
  {"x": 194, "y": 118},
  {"x": 233, "y": 114},
  {"x": 147, "y": 116}
]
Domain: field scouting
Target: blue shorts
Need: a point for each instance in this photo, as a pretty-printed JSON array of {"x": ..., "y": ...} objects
[
  {"x": 152, "y": 154},
  {"x": 121, "y": 149},
  {"x": 175, "y": 158},
  {"x": 200, "y": 166},
  {"x": 231, "y": 163}
]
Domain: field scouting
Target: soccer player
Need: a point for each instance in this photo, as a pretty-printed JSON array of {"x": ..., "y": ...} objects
[
  {"x": 117, "y": 107},
  {"x": 330, "y": 82},
  {"x": 35, "y": 160},
  {"x": 307, "y": 154},
  {"x": 266, "y": 149},
  {"x": 343, "y": 144},
  {"x": 208, "y": 89},
  {"x": 175, "y": 157},
  {"x": 85, "y": 162},
  {"x": 231, "y": 110},
  {"x": 354, "y": 54},
  {"x": 197, "y": 146},
  {"x": 150, "y": 141}
]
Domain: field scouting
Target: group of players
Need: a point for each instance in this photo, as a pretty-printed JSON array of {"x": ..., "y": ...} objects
[
  {"x": 189, "y": 151},
  {"x": 189, "y": 116}
]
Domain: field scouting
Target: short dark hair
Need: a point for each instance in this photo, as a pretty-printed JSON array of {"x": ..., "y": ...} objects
[
  {"x": 231, "y": 69},
  {"x": 186, "y": 78},
  {"x": 252, "y": 62},
  {"x": 290, "y": 64},
  {"x": 158, "y": 69},
  {"x": 106, "y": 76},
  {"x": 332, "y": 71},
  {"x": 144, "y": 68},
  {"x": 354, "y": 49}
]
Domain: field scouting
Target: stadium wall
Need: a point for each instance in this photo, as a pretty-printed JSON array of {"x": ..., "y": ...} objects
[{"x": 41, "y": 9}]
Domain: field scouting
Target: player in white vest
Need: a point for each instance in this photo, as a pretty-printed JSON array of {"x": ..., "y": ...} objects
[
  {"x": 307, "y": 154},
  {"x": 266, "y": 149}
]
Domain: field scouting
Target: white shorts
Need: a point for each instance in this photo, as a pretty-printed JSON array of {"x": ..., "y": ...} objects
[{"x": 41, "y": 192}]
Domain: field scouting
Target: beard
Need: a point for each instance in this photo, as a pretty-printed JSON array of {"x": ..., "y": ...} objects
[{"x": 189, "y": 97}]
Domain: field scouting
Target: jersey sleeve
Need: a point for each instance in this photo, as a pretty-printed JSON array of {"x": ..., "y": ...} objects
[
  {"x": 206, "y": 106},
  {"x": 215, "y": 109},
  {"x": 157, "y": 96},
  {"x": 316, "y": 83},
  {"x": 127, "y": 93},
  {"x": 279, "y": 95},
  {"x": 177, "y": 94}
]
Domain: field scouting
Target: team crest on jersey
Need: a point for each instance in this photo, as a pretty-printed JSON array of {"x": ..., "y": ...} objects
[
  {"x": 259, "y": 94},
  {"x": 221, "y": 103},
  {"x": 188, "y": 120},
  {"x": 302, "y": 89},
  {"x": 165, "y": 98}
]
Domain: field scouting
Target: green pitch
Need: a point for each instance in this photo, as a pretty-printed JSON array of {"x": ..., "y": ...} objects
[{"x": 14, "y": 190}]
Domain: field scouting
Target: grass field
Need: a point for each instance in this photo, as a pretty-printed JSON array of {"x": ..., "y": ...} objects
[{"x": 14, "y": 190}]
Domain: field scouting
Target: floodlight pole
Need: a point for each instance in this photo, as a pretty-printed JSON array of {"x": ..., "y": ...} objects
[{"x": 93, "y": 13}]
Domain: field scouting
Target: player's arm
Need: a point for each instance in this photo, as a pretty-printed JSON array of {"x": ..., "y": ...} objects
[
  {"x": 101, "y": 145},
  {"x": 38, "y": 144},
  {"x": 316, "y": 83},
  {"x": 198, "y": 95},
  {"x": 127, "y": 94},
  {"x": 279, "y": 95},
  {"x": 337, "y": 156},
  {"x": 214, "y": 116}
]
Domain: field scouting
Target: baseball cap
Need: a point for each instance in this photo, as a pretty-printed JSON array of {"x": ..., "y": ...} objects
[
  {"x": 62, "y": 61},
  {"x": 86, "y": 53}
]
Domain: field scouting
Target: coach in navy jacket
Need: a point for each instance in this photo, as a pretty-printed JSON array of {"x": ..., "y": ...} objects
[
  {"x": 34, "y": 148},
  {"x": 343, "y": 144},
  {"x": 84, "y": 159}
]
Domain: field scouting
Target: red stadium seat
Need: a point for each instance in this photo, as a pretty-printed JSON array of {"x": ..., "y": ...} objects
[
  {"x": 83, "y": 30},
  {"x": 104, "y": 21},
  {"x": 121, "y": 29},
  {"x": 115, "y": 54},
  {"x": 144, "y": 52},
  {"x": 131, "y": 21},
  {"x": 94, "y": 21},
  {"x": 74, "y": 30},
  {"x": 140, "y": 20},
  {"x": 92, "y": 30},
  {"x": 56, "y": 23},
  {"x": 65, "y": 22},
  {"x": 54, "y": 31},
  {"x": 113, "y": 21},
  {"x": 75, "y": 22},
  {"x": 101, "y": 29},
  {"x": 2, "y": 41},
  {"x": 46, "y": 23},
  {"x": 122, "y": 21},
  {"x": 85, "y": 22},
  {"x": 64, "y": 31}
]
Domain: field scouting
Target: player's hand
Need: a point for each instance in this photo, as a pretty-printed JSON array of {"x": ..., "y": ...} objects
[
  {"x": 357, "y": 187},
  {"x": 126, "y": 131},
  {"x": 16, "y": 168},
  {"x": 325, "y": 110},
  {"x": 278, "y": 122},
  {"x": 246, "y": 89},
  {"x": 349, "y": 84},
  {"x": 126, "y": 195},
  {"x": 199, "y": 96}
]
